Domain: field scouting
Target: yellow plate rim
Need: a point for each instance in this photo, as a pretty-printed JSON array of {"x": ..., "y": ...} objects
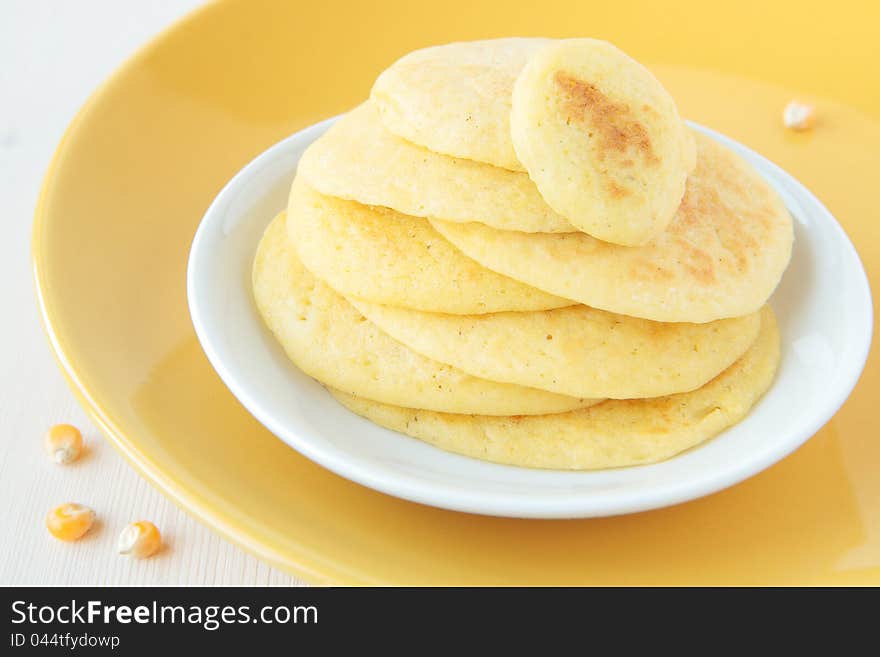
[
  {"x": 295, "y": 557},
  {"x": 306, "y": 566}
]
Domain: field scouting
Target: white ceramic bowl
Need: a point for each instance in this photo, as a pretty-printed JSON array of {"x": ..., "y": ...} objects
[{"x": 823, "y": 305}]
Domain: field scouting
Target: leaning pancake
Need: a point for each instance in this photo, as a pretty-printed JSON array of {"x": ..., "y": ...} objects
[
  {"x": 577, "y": 351},
  {"x": 614, "y": 433},
  {"x": 455, "y": 99},
  {"x": 722, "y": 255},
  {"x": 380, "y": 255},
  {"x": 358, "y": 159},
  {"x": 602, "y": 139},
  {"x": 331, "y": 341}
]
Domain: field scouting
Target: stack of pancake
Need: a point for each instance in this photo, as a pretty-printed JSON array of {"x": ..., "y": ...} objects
[{"x": 516, "y": 250}]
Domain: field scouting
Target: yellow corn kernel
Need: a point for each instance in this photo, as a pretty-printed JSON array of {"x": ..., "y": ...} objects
[
  {"x": 140, "y": 539},
  {"x": 799, "y": 116},
  {"x": 69, "y": 522},
  {"x": 64, "y": 443}
]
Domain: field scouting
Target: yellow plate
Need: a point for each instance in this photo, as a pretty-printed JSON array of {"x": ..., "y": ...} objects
[{"x": 146, "y": 155}]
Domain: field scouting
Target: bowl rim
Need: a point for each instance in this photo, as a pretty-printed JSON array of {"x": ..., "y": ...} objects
[{"x": 410, "y": 487}]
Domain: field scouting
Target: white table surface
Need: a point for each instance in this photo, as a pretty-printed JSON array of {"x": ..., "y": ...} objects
[{"x": 52, "y": 54}]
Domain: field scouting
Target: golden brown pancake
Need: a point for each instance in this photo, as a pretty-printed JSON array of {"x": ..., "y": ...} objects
[{"x": 722, "y": 255}]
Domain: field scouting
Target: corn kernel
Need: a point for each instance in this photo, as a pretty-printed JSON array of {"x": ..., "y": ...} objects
[
  {"x": 799, "y": 116},
  {"x": 64, "y": 443},
  {"x": 69, "y": 522},
  {"x": 140, "y": 539}
]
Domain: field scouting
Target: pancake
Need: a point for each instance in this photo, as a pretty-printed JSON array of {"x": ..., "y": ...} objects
[
  {"x": 382, "y": 256},
  {"x": 615, "y": 433},
  {"x": 455, "y": 98},
  {"x": 331, "y": 341},
  {"x": 577, "y": 351},
  {"x": 602, "y": 139},
  {"x": 722, "y": 255},
  {"x": 359, "y": 160}
]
